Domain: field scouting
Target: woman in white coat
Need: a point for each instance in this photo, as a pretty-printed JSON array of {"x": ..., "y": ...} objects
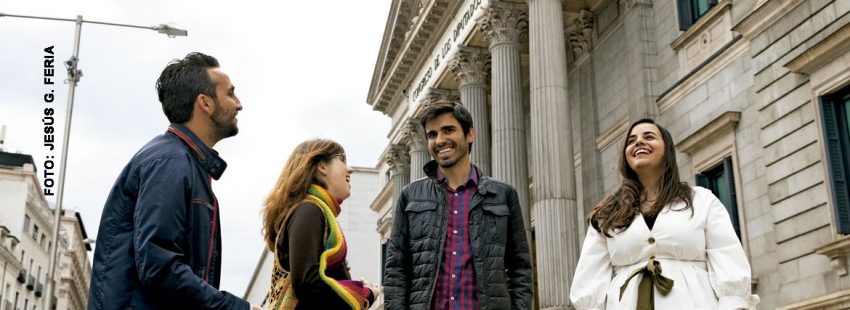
[{"x": 658, "y": 243}]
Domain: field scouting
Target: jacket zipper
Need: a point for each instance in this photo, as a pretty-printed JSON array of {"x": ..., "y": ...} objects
[
  {"x": 443, "y": 223},
  {"x": 212, "y": 231}
]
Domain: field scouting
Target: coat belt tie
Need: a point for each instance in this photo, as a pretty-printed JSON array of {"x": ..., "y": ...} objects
[{"x": 651, "y": 277}]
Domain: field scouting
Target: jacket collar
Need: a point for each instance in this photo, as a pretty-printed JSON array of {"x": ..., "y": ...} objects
[
  {"x": 207, "y": 157},
  {"x": 484, "y": 183}
]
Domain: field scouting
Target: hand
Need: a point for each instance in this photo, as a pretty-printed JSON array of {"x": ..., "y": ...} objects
[
  {"x": 377, "y": 290},
  {"x": 255, "y": 307}
]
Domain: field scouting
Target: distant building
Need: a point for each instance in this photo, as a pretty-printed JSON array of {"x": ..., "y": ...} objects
[
  {"x": 26, "y": 236},
  {"x": 358, "y": 224}
]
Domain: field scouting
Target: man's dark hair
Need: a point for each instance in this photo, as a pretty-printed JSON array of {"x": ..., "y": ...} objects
[
  {"x": 460, "y": 113},
  {"x": 181, "y": 82}
]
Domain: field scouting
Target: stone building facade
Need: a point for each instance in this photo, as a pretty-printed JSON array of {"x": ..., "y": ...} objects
[
  {"x": 26, "y": 225},
  {"x": 755, "y": 93}
]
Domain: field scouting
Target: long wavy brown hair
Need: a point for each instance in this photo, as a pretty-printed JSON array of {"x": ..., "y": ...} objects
[
  {"x": 291, "y": 187},
  {"x": 617, "y": 211}
]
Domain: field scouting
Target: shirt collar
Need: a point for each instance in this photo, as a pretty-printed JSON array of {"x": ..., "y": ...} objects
[
  {"x": 473, "y": 176},
  {"x": 207, "y": 157}
]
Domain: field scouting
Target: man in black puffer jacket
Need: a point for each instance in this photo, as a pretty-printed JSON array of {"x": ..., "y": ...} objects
[{"x": 458, "y": 239}]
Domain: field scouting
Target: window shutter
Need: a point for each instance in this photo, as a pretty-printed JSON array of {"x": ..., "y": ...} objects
[
  {"x": 836, "y": 166},
  {"x": 732, "y": 204},
  {"x": 686, "y": 19}
]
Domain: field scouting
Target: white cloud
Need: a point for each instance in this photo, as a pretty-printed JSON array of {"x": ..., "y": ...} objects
[{"x": 301, "y": 69}]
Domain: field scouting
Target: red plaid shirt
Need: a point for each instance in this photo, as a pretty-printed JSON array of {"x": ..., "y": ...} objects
[{"x": 456, "y": 288}]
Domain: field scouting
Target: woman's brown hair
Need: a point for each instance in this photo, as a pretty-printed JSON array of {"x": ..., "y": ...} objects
[
  {"x": 617, "y": 211},
  {"x": 291, "y": 187}
]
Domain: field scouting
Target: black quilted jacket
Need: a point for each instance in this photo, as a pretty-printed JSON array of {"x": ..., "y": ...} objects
[{"x": 496, "y": 231}]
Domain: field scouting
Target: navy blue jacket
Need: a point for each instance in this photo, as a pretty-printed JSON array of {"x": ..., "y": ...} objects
[{"x": 159, "y": 242}]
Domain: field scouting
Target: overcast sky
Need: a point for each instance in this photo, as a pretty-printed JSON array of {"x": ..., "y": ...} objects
[{"x": 302, "y": 70}]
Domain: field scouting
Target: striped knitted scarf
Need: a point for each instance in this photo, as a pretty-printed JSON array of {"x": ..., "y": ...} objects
[{"x": 354, "y": 293}]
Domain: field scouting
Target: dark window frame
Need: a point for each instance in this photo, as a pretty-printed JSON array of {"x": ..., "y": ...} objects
[
  {"x": 689, "y": 14},
  {"x": 708, "y": 179},
  {"x": 836, "y": 133}
]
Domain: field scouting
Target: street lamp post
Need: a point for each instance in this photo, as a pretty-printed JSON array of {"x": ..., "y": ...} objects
[{"x": 74, "y": 76}]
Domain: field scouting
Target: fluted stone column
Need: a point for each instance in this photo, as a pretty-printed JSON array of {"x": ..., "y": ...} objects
[
  {"x": 504, "y": 24},
  {"x": 419, "y": 156},
  {"x": 399, "y": 162},
  {"x": 470, "y": 66},
  {"x": 553, "y": 167}
]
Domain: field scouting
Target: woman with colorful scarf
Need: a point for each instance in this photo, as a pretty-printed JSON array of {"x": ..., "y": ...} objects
[{"x": 300, "y": 227}]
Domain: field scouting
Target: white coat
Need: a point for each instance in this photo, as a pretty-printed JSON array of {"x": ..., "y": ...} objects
[{"x": 700, "y": 253}]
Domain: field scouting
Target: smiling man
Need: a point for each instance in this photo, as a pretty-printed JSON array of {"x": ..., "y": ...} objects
[
  {"x": 159, "y": 242},
  {"x": 458, "y": 240}
]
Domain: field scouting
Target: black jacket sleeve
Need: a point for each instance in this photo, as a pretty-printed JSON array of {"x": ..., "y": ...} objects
[
  {"x": 305, "y": 231},
  {"x": 517, "y": 258},
  {"x": 398, "y": 270}
]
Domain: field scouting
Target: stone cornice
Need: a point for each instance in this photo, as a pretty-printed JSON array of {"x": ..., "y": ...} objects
[
  {"x": 418, "y": 41},
  {"x": 470, "y": 65},
  {"x": 822, "y": 53},
  {"x": 764, "y": 16},
  {"x": 720, "y": 125},
  {"x": 504, "y": 22}
]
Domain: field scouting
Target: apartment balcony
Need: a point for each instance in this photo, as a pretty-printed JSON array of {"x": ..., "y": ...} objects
[
  {"x": 22, "y": 275},
  {"x": 31, "y": 283},
  {"x": 39, "y": 288}
]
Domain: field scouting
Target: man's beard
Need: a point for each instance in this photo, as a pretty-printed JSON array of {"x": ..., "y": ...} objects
[
  {"x": 450, "y": 162},
  {"x": 221, "y": 128}
]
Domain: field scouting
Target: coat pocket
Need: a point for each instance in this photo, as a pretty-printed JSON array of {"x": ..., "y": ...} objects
[
  {"x": 495, "y": 220},
  {"x": 421, "y": 218}
]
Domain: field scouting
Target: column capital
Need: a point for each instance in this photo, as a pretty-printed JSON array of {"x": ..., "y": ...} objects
[
  {"x": 415, "y": 135},
  {"x": 504, "y": 22},
  {"x": 470, "y": 65},
  {"x": 579, "y": 34},
  {"x": 434, "y": 95},
  {"x": 398, "y": 159}
]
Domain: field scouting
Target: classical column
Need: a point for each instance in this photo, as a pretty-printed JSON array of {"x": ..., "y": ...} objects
[
  {"x": 470, "y": 66},
  {"x": 399, "y": 162},
  {"x": 419, "y": 156},
  {"x": 503, "y": 24},
  {"x": 553, "y": 166},
  {"x": 584, "y": 88}
]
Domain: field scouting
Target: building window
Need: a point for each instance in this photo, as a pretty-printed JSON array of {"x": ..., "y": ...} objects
[
  {"x": 835, "y": 110},
  {"x": 691, "y": 10},
  {"x": 34, "y": 232},
  {"x": 26, "y": 223},
  {"x": 721, "y": 181}
]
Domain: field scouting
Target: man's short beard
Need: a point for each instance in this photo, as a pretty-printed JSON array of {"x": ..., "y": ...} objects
[{"x": 221, "y": 129}]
